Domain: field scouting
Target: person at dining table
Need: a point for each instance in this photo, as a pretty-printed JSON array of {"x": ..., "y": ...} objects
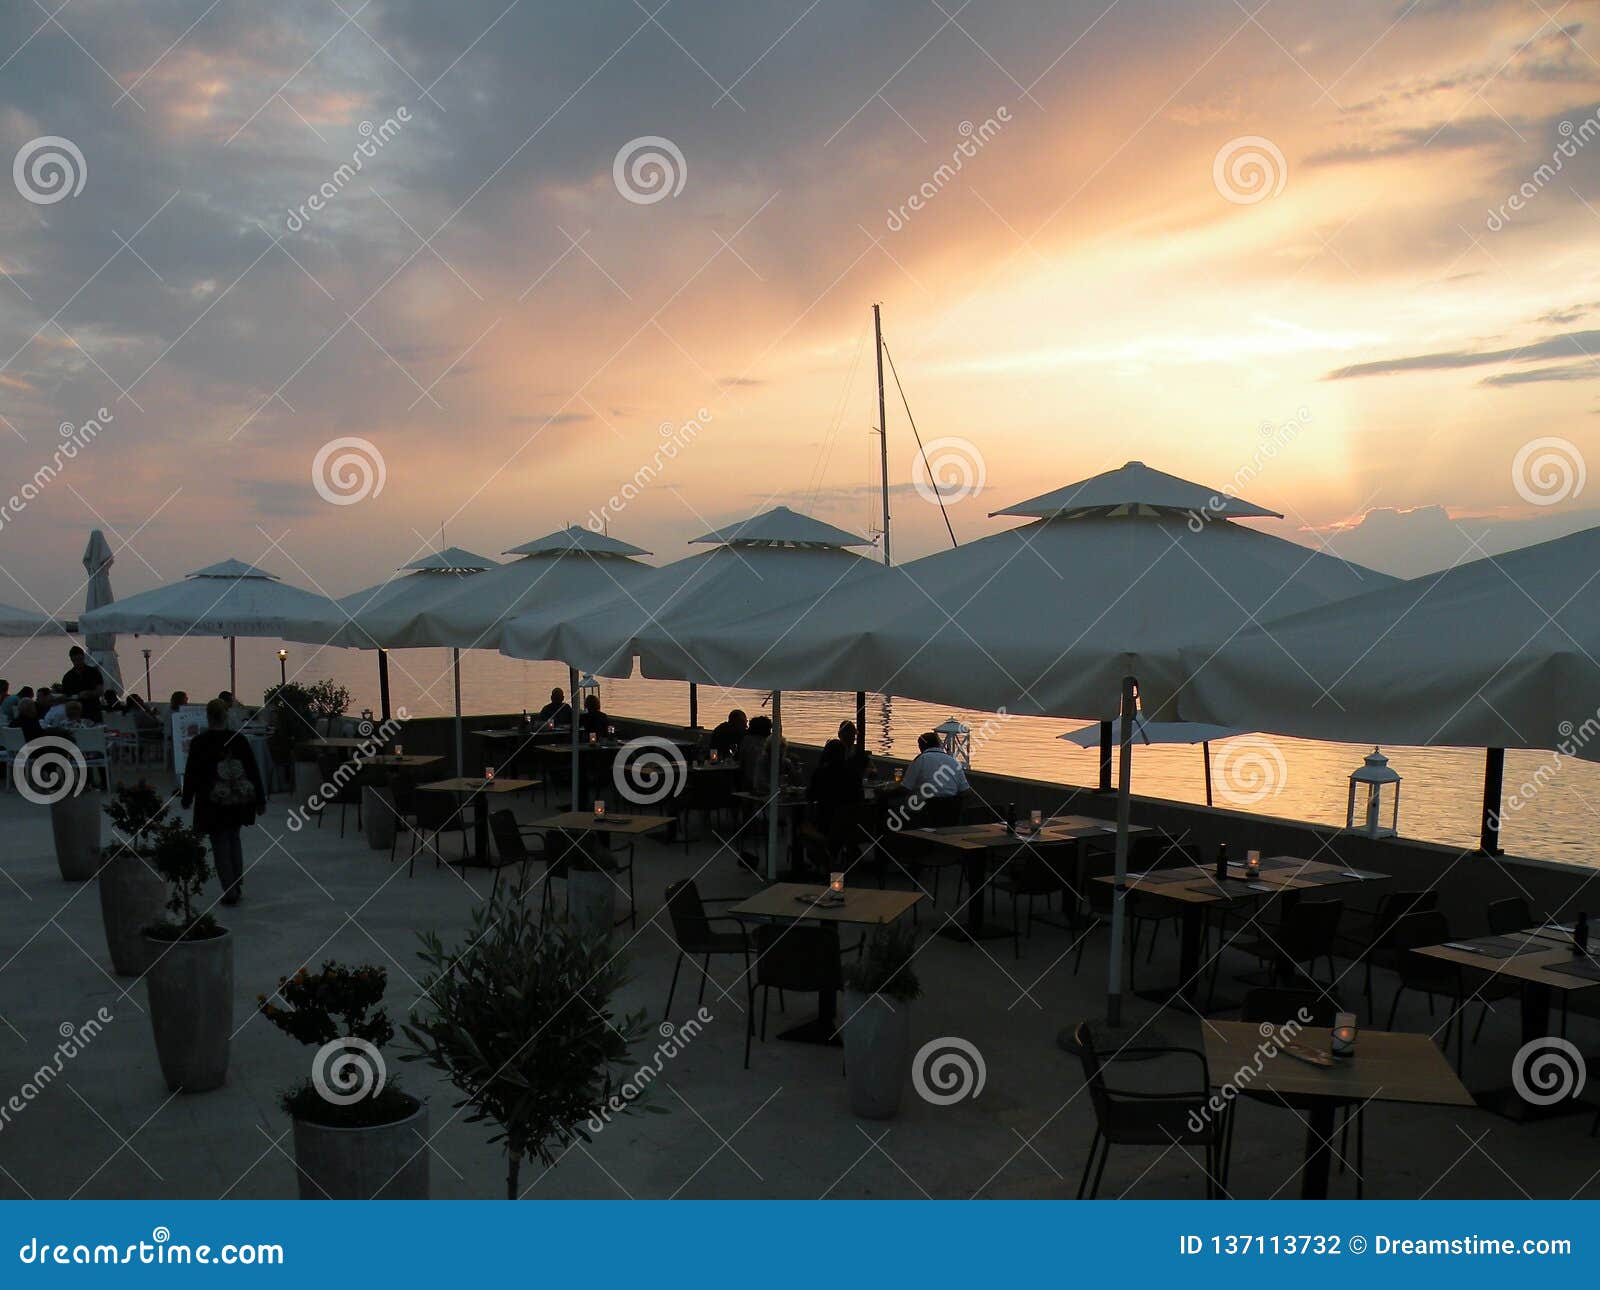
[
  {"x": 83, "y": 681},
  {"x": 10, "y": 704},
  {"x": 755, "y": 756},
  {"x": 835, "y": 793},
  {"x": 27, "y": 720},
  {"x": 558, "y": 712},
  {"x": 592, "y": 721},
  {"x": 935, "y": 780},
  {"x": 727, "y": 735}
]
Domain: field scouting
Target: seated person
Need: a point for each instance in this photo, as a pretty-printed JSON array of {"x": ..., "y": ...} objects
[
  {"x": 835, "y": 792},
  {"x": 179, "y": 700},
  {"x": 726, "y": 736},
  {"x": 592, "y": 721},
  {"x": 28, "y": 720},
  {"x": 934, "y": 773},
  {"x": 8, "y": 707},
  {"x": 65, "y": 716},
  {"x": 556, "y": 712},
  {"x": 853, "y": 752},
  {"x": 755, "y": 756}
]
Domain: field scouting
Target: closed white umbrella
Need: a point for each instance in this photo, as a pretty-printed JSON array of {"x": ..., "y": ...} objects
[
  {"x": 102, "y": 646},
  {"x": 227, "y": 599},
  {"x": 1502, "y": 652}
]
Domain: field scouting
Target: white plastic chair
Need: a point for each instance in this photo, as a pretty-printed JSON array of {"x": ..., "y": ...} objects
[
  {"x": 91, "y": 741},
  {"x": 10, "y": 745}
]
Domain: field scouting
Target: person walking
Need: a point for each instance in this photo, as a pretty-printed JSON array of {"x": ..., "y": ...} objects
[{"x": 223, "y": 784}]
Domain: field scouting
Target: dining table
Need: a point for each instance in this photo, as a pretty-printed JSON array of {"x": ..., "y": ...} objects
[
  {"x": 1385, "y": 1066},
  {"x": 1196, "y": 891},
  {"x": 798, "y": 902},
  {"x": 478, "y": 790}
]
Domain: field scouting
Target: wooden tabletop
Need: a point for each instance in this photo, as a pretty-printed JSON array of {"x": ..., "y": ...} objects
[
  {"x": 1278, "y": 874},
  {"x": 473, "y": 784},
  {"x": 404, "y": 761},
  {"x": 1388, "y": 1066},
  {"x": 1540, "y": 963},
  {"x": 788, "y": 798},
  {"x": 337, "y": 741},
  {"x": 587, "y": 822},
  {"x": 1058, "y": 831},
  {"x": 794, "y": 900}
]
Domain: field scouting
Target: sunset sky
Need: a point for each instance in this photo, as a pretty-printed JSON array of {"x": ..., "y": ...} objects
[{"x": 1379, "y": 332}]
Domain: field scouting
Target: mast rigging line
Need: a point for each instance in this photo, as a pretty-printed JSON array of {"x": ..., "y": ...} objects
[{"x": 895, "y": 372}]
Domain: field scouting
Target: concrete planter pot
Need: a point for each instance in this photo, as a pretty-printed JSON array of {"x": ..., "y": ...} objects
[
  {"x": 389, "y": 1162},
  {"x": 591, "y": 902},
  {"x": 877, "y": 1053},
  {"x": 377, "y": 817},
  {"x": 191, "y": 1010},
  {"x": 76, "y": 823},
  {"x": 307, "y": 780},
  {"x": 132, "y": 896}
]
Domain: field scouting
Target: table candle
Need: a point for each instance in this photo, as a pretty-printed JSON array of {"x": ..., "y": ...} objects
[
  {"x": 1344, "y": 1034},
  {"x": 836, "y": 883},
  {"x": 897, "y": 774},
  {"x": 713, "y": 757},
  {"x": 488, "y": 774},
  {"x": 599, "y": 810},
  {"x": 1252, "y": 863},
  {"x": 399, "y": 750},
  {"x": 593, "y": 737},
  {"x": 1036, "y": 818}
]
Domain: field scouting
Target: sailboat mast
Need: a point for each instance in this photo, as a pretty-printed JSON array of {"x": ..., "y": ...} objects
[{"x": 883, "y": 428}]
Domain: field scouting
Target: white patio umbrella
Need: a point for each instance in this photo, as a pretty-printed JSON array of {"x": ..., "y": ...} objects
[
  {"x": 228, "y": 599},
  {"x": 1502, "y": 652},
  {"x": 1067, "y": 615},
  {"x": 374, "y": 616},
  {"x": 1155, "y": 732},
  {"x": 25, "y": 622},
  {"x": 763, "y": 561},
  {"x": 102, "y": 646}
]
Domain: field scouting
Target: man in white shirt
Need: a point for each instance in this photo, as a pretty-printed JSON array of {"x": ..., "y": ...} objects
[
  {"x": 61, "y": 715},
  {"x": 934, "y": 772}
]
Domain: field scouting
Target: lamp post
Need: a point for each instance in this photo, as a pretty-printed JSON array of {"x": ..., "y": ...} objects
[
  {"x": 283, "y": 667},
  {"x": 148, "y": 697}
]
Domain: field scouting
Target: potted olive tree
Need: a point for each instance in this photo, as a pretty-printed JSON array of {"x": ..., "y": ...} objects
[
  {"x": 50, "y": 771},
  {"x": 357, "y": 1136},
  {"x": 132, "y": 892},
  {"x": 520, "y": 1018},
  {"x": 292, "y": 726},
  {"x": 879, "y": 989},
  {"x": 378, "y": 808},
  {"x": 191, "y": 967},
  {"x": 328, "y": 701}
]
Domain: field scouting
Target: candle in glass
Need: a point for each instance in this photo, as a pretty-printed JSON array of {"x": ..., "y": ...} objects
[
  {"x": 1344, "y": 1034},
  {"x": 599, "y": 810},
  {"x": 836, "y": 883},
  {"x": 1252, "y": 863},
  {"x": 488, "y": 774}
]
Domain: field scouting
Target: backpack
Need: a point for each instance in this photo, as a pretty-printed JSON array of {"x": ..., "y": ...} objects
[{"x": 232, "y": 787}]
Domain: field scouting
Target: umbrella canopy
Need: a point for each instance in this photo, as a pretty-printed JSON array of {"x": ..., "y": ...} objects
[
  {"x": 1111, "y": 579},
  {"x": 227, "y": 599},
  {"x": 102, "y": 646},
  {"x": 1503, "y": 652},
  {"x": 373, "y": 617},
  {"x": 1154, "y": 732},
  {"x": 558, "y": 570},
  {"x": 24, "y": 622},
  {"x": 756, "y": 564}
]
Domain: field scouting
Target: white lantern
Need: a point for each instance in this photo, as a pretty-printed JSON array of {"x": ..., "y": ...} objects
[
  {"x": 1370, "y": 781},
  {"x": 956, "y": 739},
  {"x": 587, "y": 685}
]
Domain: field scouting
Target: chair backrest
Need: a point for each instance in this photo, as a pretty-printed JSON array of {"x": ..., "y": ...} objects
[
  {"x": 1395, "y": 905},
  {"x": 1309, "y": 928},
  {"x": 1279, "y": 1007},
  {"x": 802, "y": 959},
  {"x": 687, "y": 912},
  {"x": 1415, "y": 930},
  {"x": 12, "y": 738},
  {"x": 121, "y": 722},
  {"x": 91, "y": 740},
  {"x": 507, "y": 839},
  {"x": 1509, "y": 915},
  {"x": 1094, "y": 1074}
]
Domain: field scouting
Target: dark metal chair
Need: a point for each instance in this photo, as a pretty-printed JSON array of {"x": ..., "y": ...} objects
[
  {"x": 511, "y": 843},
  {"x": 562, "y": 848},
  {"x": 1140, "y": 1118},
  {"x": 1306, "y": 932},
  {"x": 435, "y": 815},
  {"x": 790, "y": 957},
  {"x": 1375, "y": 948},
  {"x": 346, "y": 785},
  {"x": 696, "y": 937},
  {"x": 1429, "y": 975}
]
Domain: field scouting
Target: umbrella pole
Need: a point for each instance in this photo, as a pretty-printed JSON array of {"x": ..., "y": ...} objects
[
  {"x": 1205, "y": 752},
  {"x": 774, "y": 786},
  {"x": 861, "y": 721},
  {"x": 455, "y": 668},
  {"x": 233, "y": 666},
  {"x": 694, "y": 706},
  {"x": 383, "y": 683},
  {"x": 1105, "y": 756},
  {"x": 1494, "y": 769},
  {"x": 1120, "y": 896},
  {"x": 572, "y": 703}
]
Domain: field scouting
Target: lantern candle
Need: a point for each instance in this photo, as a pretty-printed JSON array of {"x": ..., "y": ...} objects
[
  {"x": 1252, "y": 863},
  {"x": 713, "y": 757},
  {"x": 593, "y": 737},
  {"x": 1344, "y": 1034},
  {"x": 399, "y": 750},
  {"x": 599, "y": 809},
  {"x": 836, "y": 883},
  {"x": 1036, "y": 818},
  {"x": 898, "y": 774},
  {"x": 488, "y": 774}
]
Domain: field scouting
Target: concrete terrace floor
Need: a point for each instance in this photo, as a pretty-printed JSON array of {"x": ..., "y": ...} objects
[{"x": 107, "y": 1127}]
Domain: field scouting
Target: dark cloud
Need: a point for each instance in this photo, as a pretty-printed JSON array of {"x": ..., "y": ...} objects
[
  {"x": 1576, "y": 372},
  {"x": 1577, "y": 344}
]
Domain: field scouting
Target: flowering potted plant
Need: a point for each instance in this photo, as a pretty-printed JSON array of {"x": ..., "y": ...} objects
[
  {"x": 131, "y": 891},
  {"x": 357, "y": 1136},
  {"x": 879, "y": 989},
  {"x": 190, "y": 976}
]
